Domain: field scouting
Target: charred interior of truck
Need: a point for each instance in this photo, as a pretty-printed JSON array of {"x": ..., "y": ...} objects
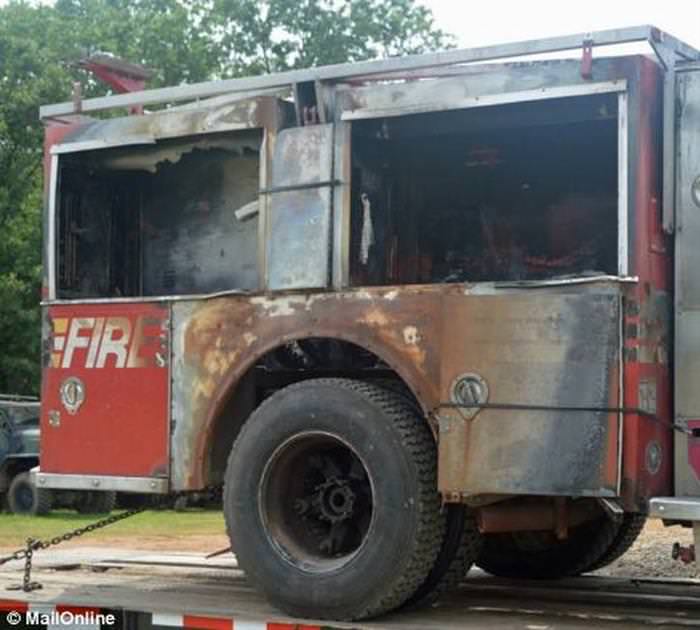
[
  {"x": 176, "y": 217},
  {"x": 525, "y": 191}
]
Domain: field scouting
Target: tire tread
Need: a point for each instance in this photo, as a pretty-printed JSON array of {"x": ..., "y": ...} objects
[
  {"x": 416, "y": 439},
  {"x": 631, "y": 528}
]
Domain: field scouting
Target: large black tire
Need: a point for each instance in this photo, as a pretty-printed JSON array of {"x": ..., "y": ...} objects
[
  {"x": 461, "y": 542},
  {"x": 308, "y": 445},
  {"x": 95, "y": 502},
  {"x": 460, "y": 549},
  {"x": 23, "y": 497},
  {"x": 540, "y": 555},
  {"x": 630, "y": 528}
]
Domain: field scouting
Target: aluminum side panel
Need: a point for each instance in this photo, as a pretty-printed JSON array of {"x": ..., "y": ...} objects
[
  {"x": 542, "y": 350},
  {"x": 687, "y": 314},
  {"x": 299, "y": 222}
]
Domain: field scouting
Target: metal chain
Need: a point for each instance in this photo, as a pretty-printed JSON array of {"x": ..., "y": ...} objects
[
  {"x": 27, "y": 584},
  {"x": 26, "y": 553}
]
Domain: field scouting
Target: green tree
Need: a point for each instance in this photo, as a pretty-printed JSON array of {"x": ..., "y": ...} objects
[
  {"x": 28, "y": 75},
  {"x": 182, "y": 41},
  {"x": 273, "y": 35}
]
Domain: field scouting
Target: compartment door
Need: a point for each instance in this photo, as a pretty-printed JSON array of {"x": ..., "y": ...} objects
[
  {"x": 687, "y": 281},
  {"x": 300, "y": 198},
  {"x": 105, "y": 399},
  {"x": 555, "y": 353}
]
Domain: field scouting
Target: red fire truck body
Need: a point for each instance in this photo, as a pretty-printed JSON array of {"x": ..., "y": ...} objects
[{"x": 488, "y": 268}]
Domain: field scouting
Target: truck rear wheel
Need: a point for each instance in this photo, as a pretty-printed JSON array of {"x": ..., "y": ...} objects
[
  {"x": 630, "y": 528},
  {"x": 541, "y": 555},
  {"x": 331, "y": 499},
  {"x": 460, "y": 549},
  {"x": 23, "y": 497}
]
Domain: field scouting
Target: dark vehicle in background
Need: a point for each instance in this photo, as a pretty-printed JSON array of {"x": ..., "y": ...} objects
[{"x": 19, "y": 453}]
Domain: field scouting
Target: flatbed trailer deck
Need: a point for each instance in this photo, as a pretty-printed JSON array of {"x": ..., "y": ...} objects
[{"x": 150, "y": 590}]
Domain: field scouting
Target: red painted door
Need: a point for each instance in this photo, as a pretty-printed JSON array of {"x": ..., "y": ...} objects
[{"x": 105, "y": 395}]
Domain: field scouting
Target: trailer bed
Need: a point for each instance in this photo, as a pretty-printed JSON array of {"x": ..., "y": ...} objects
[{"x": 150, "y": 590}]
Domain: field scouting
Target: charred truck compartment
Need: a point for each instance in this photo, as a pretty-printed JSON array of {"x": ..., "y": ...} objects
[
  {"x": 177, "y": 217},
  {"x": 459, "y": 256},
  {"x": 526, "y": 191},
  {"x": 423, "y": 324},
  {"x": 472, "y": 252}
]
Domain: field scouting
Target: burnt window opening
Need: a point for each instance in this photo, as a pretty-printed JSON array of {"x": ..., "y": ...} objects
[
  {"x": 527, "y": 191},
  {"x": 179, "y": 217}
]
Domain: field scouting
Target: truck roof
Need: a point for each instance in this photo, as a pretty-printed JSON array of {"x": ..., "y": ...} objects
[{"x": 668, "y": 49}]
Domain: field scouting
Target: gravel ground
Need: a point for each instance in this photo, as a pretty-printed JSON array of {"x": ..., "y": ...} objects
[{"x": 650, "y": 556}]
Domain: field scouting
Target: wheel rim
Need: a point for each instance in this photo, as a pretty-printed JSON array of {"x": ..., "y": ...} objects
[
  {"x": 316, "y": 501},
  {"x": 24, "y": 498}
]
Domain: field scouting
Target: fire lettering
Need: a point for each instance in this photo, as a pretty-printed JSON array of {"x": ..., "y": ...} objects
[
  {"x": 98, "y": 342},
  {"x": 75, "y": 339},
  {"x": 95, "y": 342},
  {"x": 115, "y": 341}
]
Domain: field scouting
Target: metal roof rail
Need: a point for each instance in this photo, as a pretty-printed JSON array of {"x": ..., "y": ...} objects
[{"x": 658, "y": 39}]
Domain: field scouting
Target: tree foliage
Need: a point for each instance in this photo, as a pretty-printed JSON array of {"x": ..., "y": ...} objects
[
  {"x": 273, "y": 35},
  {"x": 181, "y": 41}
]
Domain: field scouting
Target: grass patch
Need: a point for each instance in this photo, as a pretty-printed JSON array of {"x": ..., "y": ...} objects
[{"x": 14, "y": 529}]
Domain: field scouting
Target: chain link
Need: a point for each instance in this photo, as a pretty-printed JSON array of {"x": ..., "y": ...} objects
[{"x": 26, "y": 553}]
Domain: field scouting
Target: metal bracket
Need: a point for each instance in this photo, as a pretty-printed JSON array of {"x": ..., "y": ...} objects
[
  {"x": 292, "y": 187},
  {"x": 587, "y": 59},
  {"x": 667, "y": 57}
]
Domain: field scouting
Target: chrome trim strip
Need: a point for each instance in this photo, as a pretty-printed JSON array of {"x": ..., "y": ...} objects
[
  {"x": 51, "y": 228},
  {"x": 622, "y": 185},
  {"x": 146, "y": 485},
  {"x": 675, "y": 508}
]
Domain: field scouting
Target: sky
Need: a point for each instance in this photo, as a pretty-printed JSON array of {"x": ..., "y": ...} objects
[{"x": 499, "y": 21}]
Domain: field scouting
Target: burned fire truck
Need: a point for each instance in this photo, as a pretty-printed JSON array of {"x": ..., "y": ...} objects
[{"x": 414, "y": 314}]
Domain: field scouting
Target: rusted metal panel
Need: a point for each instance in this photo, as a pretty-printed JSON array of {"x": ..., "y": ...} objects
[
  {"x": 430, "y": 335},
  {"x": 216, "y": 341},
  {"x": 299, "y": 221},
  {"x": 105, "y": 389},
  {"x": 263, "y": 111},
  {"x": 474, "y": 88},
  {"x": 544, "y": 350},
  {"x": 185, "y": 391}
]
